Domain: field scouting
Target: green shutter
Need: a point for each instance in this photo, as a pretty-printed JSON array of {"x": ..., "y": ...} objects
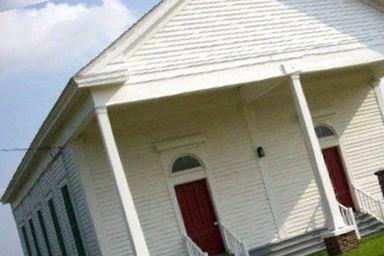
[
  {"x": 26, "y": 241},
  {"x": 72, "y": 220},
  {"x": 57, "y": 227},
  {"x": 34, "y": 237},
  {"x": 44, "y": 231}
]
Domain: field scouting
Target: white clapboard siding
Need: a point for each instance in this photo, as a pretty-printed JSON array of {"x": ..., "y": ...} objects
[
  {"x": 288, "y": 163},
  {"x": 80, "y": 203},
  {"x": 242, "y": 202},
  {"x": 348, "y": 105},
  {"x": 359, "y": 124},
  {"x": 61, "y": 171},
  {"x": 244, "y": 32},
  {"x": 109, "y": 212}
]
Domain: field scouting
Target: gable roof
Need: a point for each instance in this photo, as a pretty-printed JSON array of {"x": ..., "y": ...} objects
[
  {"x": 184, "y": 37},
  {"x": 71, "y": 90},
  {"x": 96, "y": 70},
  {"x": 207, "y": 35}
]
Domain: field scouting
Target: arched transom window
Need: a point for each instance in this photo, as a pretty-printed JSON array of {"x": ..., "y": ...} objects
[
  {"x": 185, "y": 162},
  {"x": 323, "y": 131}
]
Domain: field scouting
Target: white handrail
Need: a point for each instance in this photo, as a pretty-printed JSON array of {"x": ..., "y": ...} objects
[
  {"x": 233, "y": 244},
  {"x": 192, "y": 248},
  {"x": 349, "y": 218},
  {"x": 370, "y": 205}
]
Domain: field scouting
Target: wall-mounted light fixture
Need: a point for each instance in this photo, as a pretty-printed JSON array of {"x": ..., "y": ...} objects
[{"x": 260, "y": 152}]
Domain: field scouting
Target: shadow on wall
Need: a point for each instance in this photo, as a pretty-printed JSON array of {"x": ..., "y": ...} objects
[
  {"x": 344, "y": 102},
  {"x": 358, "y": 123},
  {"x": 339, "y": 97}
]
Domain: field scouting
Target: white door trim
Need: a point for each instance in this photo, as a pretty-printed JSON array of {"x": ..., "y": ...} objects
[
  {"x": 168, "y": 155},
  {"x": 335, "y": 141}
]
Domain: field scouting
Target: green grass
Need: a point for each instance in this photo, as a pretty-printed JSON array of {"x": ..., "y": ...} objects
[{"x": 369, "y": 246}]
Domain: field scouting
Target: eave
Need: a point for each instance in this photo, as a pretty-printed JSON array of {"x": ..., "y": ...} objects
[
  {"x": 213, "y": 78},
  {"x": 87, "y": 78},
  {"x": 66, "y": 98}
]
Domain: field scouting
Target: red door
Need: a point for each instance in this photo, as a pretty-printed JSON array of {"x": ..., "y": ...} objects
[
  {"x": 199, "y": 216},
  {"x": 338, "y": 177}
]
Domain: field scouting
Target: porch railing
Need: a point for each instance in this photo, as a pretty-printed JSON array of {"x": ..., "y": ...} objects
[
  {"x": 233, "y": 244},
  {"x": 349, "y": 218},
  {"x": 192, "y": 248},
  {"x": 370, "y": 205}
]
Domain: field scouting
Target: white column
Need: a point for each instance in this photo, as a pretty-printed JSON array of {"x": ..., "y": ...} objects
[
  {"x": 331, "y": 207},
  {"x": 125, "y": 196}
]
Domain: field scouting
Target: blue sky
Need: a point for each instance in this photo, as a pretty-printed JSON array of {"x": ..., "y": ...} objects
[{"x": 42, "y": 46}]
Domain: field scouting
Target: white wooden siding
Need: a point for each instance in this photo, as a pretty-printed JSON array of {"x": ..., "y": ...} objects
[
  {"x": 61, "y": 171},
  {"x": 244, "y": 32},
  {"x": 347, "y": 104},
  {"x": 229, "y": 157},
  {"x": 287, "y": 161},
  {"x": 358, "y": 122},
  {"x": 350, "y": 107},
  {"x": 102, "y": 187}
]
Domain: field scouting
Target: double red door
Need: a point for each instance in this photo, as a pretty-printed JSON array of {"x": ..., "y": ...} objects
[
  {"x": 338, "y": 177},
  {"x": 199, "y": 216}
]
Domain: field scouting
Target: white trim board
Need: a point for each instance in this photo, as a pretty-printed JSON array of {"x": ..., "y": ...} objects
[
  {"x": 136, "y": 90},
  {"x": 180, "y": 142}
]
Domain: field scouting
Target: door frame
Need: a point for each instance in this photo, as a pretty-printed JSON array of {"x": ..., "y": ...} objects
[
  {"x": 335, "y": 141},
  {"x": 194, "y": 146}
]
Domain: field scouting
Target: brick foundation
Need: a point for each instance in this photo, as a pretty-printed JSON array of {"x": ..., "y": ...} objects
[
  {"x": 380, "y": 176},
  {"x": 343, "y": 243}
]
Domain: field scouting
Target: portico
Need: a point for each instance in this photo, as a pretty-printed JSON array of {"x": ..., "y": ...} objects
[{"x": 336, "y": 224}]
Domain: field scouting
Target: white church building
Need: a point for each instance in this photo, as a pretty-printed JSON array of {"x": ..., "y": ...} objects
[{"x": 215, "y": 127}]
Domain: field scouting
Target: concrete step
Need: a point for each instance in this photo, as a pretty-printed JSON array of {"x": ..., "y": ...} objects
[
  {"x": 312, "y": 242},
  {"x": 371, "y": 231},
  {"x": 309, "y": 250},
  {"x": 226, "y": 254},
  {"x": 301, "y": 245},
  {"x": 300, "y": 248},
  {"x": 368, "y": 224}
]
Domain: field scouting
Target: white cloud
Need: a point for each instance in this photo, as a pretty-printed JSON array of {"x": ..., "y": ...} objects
[
  {"x": 58, "y": 35},
  {"x": 13, "y": 4}
]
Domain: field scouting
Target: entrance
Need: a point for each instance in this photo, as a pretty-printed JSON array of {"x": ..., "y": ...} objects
[
  {"x": 199, "y": 216},
  {"x": 338, "y": 178}
]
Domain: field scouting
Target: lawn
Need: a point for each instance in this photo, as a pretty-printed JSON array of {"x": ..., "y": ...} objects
[{"x": 369, "y": 246}]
